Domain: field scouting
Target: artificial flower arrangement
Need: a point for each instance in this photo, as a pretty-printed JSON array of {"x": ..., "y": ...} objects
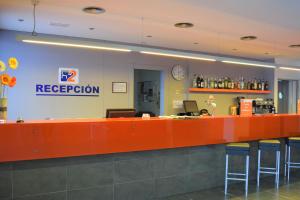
[{"x": 6, "y": 81}]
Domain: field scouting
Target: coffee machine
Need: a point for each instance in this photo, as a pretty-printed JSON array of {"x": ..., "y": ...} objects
[{"x": 263, "y": 106}]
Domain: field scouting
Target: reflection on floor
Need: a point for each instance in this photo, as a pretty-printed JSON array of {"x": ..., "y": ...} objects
[{"x": 266, "y": 191}]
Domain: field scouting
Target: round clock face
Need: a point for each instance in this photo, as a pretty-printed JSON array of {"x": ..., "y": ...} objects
[{"x": 178, "y": 72}]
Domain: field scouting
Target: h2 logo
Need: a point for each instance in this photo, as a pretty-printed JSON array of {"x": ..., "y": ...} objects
[{"x": 68, "y": 76}]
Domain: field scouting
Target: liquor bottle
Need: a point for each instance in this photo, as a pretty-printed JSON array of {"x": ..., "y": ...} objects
[
  {"x": 220, "y": 84},
  {"x": 225, "y": 83},
  {"x": 216, "y": 83},
  {"x": 259, "y": 85},
  {"x": 229, "y": 83},
  {"x": 201, "y": 81},
  {"x": 238, "y": 85},
  {"x": 212, "y": 83},
  {"x": 198, "y": 82},
  {"x": 266, "y": 85},
  {"x": 255, "y": 84},
  {"x": 262, "y": 85},
  {"x": 194, "y": 84},
  {"x": 205, "y": 83},
  {"x": 242, "y": 84},
  {"x": 249, "y": 85}
]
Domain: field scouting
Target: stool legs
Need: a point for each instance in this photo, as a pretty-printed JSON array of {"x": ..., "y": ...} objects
[
  {"x": 247, "y": 174},
  {"x": 285, "y": 159},
  {"x": 277, "y": 168},
  {"x": 268, "y": 170},
  {"x": 234, "y": 175},
  {"x": 258, "y": 166},
  {"x": 289, "y": 163},
  {"x": 226, "y": 174}
]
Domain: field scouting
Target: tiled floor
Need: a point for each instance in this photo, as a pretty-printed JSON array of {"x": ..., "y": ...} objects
[{"x": 267, "y": 191}]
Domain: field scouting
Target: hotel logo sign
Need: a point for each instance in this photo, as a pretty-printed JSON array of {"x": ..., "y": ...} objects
[
  {"x": 68, "y": 76},
  {"x": 68, "y": 79}
]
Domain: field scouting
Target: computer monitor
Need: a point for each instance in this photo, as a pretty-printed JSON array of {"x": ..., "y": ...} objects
[
  {"x": 120, "y": 112},
  {"x": 190, "y": 106}
]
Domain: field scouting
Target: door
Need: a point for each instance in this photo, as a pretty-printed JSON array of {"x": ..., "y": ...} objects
[{"x": 147, "y": 91}]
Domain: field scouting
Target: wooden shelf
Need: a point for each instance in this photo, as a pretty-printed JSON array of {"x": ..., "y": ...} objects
[{"x": 208, "y": 90}]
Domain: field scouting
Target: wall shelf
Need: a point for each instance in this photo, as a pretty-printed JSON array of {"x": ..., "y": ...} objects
[{"x": 209, "y": 90}]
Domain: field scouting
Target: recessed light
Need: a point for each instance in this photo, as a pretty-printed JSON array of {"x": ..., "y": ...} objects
[
  {"x": 93, "y": 10},
  {"x": 92, "y": 28},
  {"x": 234, "y": 49},
  {"x": 248, "y": 38},
  {"x": 267, "y": 53},
  {"x": 184, "y": 25},
  {"x": 196, "y": 43},
  {"x": 149, "y": 36},
  {"x": 294, "y": 46},
  {"x": 21, "y": 20},
  {"x": 58, "y": 24}
]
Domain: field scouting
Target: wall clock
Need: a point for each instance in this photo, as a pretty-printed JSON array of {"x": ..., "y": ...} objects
[{"x": 178, "y": 72}]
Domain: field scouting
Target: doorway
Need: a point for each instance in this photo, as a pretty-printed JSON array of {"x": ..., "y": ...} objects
[
  {"x": 287, "y": 96},
  {"x": 147, "y": 91}
]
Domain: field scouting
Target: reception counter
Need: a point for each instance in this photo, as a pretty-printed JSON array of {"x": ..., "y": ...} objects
[{"x": 66, "y": 138}]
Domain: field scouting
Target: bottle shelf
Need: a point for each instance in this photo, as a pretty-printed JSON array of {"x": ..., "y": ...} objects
[{"x": 209, "y": 90}]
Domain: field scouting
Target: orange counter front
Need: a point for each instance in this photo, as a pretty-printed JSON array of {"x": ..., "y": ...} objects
[{"x": 64, "y": 138}]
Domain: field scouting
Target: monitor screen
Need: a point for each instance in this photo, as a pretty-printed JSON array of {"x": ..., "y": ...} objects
[
  {"x": 190, "y": 106},
  {"x": 125, "y": 112}
]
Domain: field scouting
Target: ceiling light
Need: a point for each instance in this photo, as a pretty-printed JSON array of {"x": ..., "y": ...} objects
[
  {"x": 76, "y": 45},
  {"x": 92, "y": 28},
  {"x": 248, "y": 64},
  {"x": 290, "y": 68},
  {"x": 295, "y": 46},
  {"x": 248, "y": 38},
  {"x": 58, "y": 24},
  {"x": 93, "y": 10},
  {"x": 21, "y": 20},
  {"x": 196, "y": 43},
  {"x": 184, "y": 25},
  {"x": 234, "y": 49},
  {"x": 149, "y": 36},
  {"x": 177, "y": 55}
]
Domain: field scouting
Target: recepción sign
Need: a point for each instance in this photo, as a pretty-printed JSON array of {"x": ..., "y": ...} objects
[{"x": 68, "y": 79}]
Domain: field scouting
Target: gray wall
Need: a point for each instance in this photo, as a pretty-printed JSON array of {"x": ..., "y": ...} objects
[{"x": 39, "y": 64}]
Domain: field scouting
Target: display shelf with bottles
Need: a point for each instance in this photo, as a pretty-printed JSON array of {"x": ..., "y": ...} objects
[
  {"x": 229, "y": 85},
  {"x": 211, "y": 90}
]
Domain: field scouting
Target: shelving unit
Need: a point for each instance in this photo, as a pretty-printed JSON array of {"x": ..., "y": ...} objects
[{"x": 209, "y": 90}]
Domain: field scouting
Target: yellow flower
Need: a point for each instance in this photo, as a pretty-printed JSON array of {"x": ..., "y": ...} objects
[
  {"x": 2, "y": 66},
  {"x": 13, "y": 63}
]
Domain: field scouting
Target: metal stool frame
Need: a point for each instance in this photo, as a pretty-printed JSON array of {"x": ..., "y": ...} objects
[
  {"x": 268, "y": 170},
  {"x": 287, "y": 161},
  {"x": 237, "y": 176}
]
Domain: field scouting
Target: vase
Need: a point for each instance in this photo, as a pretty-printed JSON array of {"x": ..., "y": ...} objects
[{"x": 3, "y": 109}]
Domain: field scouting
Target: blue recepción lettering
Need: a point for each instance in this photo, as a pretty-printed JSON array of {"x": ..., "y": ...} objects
[{"x": 68, "y": 89}]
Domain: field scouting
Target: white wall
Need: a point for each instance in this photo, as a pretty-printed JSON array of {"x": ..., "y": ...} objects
[{"x": 39, "y": 64}]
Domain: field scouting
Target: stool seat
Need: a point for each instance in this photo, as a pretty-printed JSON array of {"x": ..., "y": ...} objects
[
  {"x": 269, "y": 145},
  {"x": 241, "y": 145},
  {"x": 238, "y": 148},
  {"x": 270, "y": 141}
]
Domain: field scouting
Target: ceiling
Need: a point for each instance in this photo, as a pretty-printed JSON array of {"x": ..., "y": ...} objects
[{"x": 218, "y": 24}]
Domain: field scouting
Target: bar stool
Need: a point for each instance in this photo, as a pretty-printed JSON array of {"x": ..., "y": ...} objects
[
  {"x": 269, "y": 145},
  {"x": 295, "y": 143},
  {"x": 240, "y": 149}
]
